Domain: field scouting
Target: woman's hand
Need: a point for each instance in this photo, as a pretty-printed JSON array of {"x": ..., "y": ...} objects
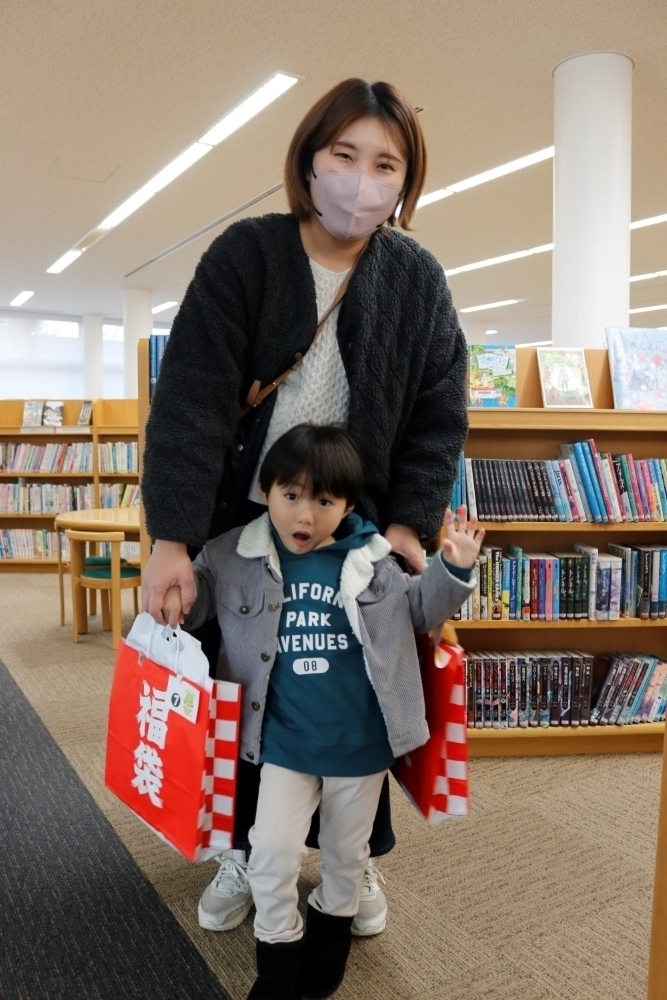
[
  {"x": 406, "y": 542},
  {"x": 169, "y": 566},
  {"x": 461, "y": 546}
]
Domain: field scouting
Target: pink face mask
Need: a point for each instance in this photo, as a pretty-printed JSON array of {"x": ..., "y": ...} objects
[{"x": 351, "y": 206}]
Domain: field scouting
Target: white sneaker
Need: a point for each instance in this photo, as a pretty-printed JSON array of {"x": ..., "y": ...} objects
[
  {"x": 226, "y": 902},
  {"x": 371, "y": 916}
]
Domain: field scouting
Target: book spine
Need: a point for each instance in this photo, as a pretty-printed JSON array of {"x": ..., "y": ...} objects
[
  {"x": 556, "y": 589},
  {"x": 496, "y": 486},
  {"x": 580, "y": 599},
  {"x": 549, "y": 588},
  {"x": 512, "y": 693},
  {"x": 535, "y": 690},
  {"x": 614, "y": 691},
  {"x": 612, "y": 488},
  {"x": 544, "y": 714},
  {"x": 662, "y": 594},
  {"x": 621, "y": 487},
  {"x": 615, "y": 583},
  {"x": 597, "y": 488},
  {"x": 505, "y": 590},
  {"x": 534, "y": 587},
  {"x": 624, "y": 691},
  {"x": 654, "y": 490},
  {"x": 599, "y": 469},
  {"x": 517, "y": 490},
  {"x": 603, "y": 589},
  {"x": 472, "y": 497},
  {"x": 522, "y": 469},
  {"x": 661, "y": 486},
  {"x": 558, "y": 476},
  {"x": 514, "y": 572},
  {"x": 585, "y": 584},
  {"x": 488, "y": 692},
  {"x": 564, "y": 690},
  {"x": 526, "y": 585},
  {"x": 645, "y": 490},
  {"x": 570, "y": 587},
  {"x": 534, "y": 488},
  {"x": 496, "y": 576},
  {"x": 575, "y": 711},
  {"x": 626, "y": 714},
  {"x": 523, "y": 684},
  {"x": 598, "y": 708},
  {"x": 483, "y": 591},
  {"x": 488, "y": 489},
  {"x": 637, "y": 493},
  {"x": 627, "y": 481},
  {"x": 655, "y": 583},
  {"x": 479, "y": 691},
  {"x": 584, "y": 472},
  {"x": 574, "y": 489},
  {"x": 644, "y": 583},
  {"x": 480, "y": 498},
  {"x": 568, "y": 451},
  {"x": 555, "y": 492},
  {"x": 555, "y": 681},
  {"x": 545, "y": 490},
  {"x": 568, "y": 491},
  {"x": 587, "y": 662}
]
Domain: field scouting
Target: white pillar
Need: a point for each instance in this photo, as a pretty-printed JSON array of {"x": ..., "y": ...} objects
[
  {"x": 592, "y": 187},
  {"x": 93, "y": 360},
  {"x": 137, "y": 323}
]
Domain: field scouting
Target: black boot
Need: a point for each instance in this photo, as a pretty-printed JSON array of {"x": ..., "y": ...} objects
[
  {"x": 279, "y": 972},
  {"x": 326, "y": 947}
]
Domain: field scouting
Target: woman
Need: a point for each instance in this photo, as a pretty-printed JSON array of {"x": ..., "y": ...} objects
[{"x": 389, "y": 359}]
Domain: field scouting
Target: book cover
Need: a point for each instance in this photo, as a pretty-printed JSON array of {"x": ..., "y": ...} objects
[
  {"x": 638, "y": 364},
  {"x": 491, "y": 375},
  {"x": 635, "y": 712},
  {"x": 564, "y": 378},
  {"x": 32, "y": 412},
  {"x": 53, "y": 413},
  {"x": 651, "y": 691},
  {"x": 85, "y": 413}
]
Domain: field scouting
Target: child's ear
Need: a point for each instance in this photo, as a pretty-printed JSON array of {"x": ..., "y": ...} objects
[
  {"x": 348, "y": 510},
  {"x": 263, "y": 495}
]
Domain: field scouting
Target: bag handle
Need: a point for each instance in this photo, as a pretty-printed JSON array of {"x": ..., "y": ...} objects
[
  {"x": 257, "y": 394},
  {"x": 177, "y": 632}
]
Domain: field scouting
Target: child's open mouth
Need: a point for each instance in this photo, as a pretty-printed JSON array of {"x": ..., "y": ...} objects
[{"x": 301, "y": 537}]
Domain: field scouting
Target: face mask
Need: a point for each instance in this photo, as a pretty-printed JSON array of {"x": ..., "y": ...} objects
[{"x": 351, "y": 206}]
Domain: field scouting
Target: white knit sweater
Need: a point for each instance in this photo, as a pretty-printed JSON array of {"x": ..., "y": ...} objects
[{"x": 318, "y": 391}]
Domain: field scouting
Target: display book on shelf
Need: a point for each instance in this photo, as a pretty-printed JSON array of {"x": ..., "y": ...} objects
[
  {"x": 531, "y": 432},
  {"x": 114, "y": 422}
]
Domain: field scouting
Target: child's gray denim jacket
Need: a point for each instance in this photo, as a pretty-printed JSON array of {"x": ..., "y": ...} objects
[{"x": 239, "y": 580}]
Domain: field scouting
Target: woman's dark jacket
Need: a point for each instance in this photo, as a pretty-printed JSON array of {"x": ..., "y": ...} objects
[{"x": 250, "y": 306}]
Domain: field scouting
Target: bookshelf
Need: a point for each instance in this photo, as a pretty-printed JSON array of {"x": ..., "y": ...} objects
[
  {"x": 113, "y": 420},
  {"x": 532, "y": 432}
]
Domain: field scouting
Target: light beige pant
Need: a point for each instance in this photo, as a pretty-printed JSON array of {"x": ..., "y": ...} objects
[{"x": 287, "y": 801}]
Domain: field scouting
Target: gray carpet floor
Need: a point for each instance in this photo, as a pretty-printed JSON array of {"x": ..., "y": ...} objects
[{"x": 543, "y": 893}]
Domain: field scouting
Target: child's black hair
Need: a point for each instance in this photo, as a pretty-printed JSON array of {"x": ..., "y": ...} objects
[{"x": 327, "y": 457}]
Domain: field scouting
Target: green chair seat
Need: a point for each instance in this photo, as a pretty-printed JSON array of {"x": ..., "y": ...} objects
[
  {"x": 104, "y": 573},
  {"x": 100, "y": 560}
]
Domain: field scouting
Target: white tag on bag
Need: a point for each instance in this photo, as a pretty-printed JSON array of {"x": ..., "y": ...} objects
[{"x": 171, "y": 648}]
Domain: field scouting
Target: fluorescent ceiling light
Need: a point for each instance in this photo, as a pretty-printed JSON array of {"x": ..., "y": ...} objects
[
  {"x": 161, "y": 308},
  {"x": 653, "y": 221},
  {"x": 645, "y": 277},
  {"x": 648, "y": 309},
  {"x": 252, "y": 105},
  {"x": 63, "y": 261},
  {"x": 490, "y": 305},
  {"x": 498, "y": 260},
  {"x": 537, "y": 343},
  {"x": 487, "y": 175},
  {"x": 277, "y": 85},
  {"x": 21, "y": 298},
  {"x": 490, "y": 333}
]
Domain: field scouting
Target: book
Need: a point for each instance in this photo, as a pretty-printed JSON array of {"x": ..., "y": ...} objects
[
  {"x": 85, "y": 413},
  {"x": 33, "y": 410},
  {"x": 564, "y": 377},
  {"x": 638, "y": 364},
  {"x": 491, "y": 375},
  {"x": 53, "y": 413}
]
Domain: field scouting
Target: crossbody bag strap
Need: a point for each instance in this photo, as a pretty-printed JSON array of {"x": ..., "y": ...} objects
[{"x": 257, "y": 394}]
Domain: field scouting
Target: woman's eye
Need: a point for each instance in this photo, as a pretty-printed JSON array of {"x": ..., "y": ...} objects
[
  {"x": 345, "y": 156},
  {"x": 387, "y": 166}
]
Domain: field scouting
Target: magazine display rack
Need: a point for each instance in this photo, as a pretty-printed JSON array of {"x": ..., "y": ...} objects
[
  {"x": 113, "y": 420},
  {"x": 532, "y": 432}
]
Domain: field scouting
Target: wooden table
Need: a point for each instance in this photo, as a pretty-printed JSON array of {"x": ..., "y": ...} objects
[
  {"x": 102, "y": 519},
  {"x": 125, "y": 519}
]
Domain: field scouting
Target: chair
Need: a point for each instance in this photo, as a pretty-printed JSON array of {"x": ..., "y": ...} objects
[
  {"x": 109, "y": 579},
  {"x": 64, "y": 567}
]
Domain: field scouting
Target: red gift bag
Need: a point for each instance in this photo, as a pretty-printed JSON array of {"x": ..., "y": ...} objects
[
  {"x": 172, "y": 747},
  {"x": 435, "y": 776}
]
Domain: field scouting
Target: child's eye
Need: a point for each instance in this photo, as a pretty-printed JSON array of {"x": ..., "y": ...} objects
[
  {"x": 290, "y": 496},
  {"x": 323, "y": 502}
]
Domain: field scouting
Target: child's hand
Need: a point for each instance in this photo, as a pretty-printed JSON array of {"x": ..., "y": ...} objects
[
  {"x": 461, "y": 546},
  {"x": 172, "y": 608}
]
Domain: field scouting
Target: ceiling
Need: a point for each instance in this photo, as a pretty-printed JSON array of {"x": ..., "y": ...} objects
[{"x": 96, "y": 96}]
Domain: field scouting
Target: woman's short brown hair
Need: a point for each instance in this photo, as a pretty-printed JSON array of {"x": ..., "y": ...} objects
[{"x": 332, "y": 114}]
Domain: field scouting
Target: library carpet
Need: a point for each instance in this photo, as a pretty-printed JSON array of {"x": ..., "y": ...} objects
[{"x": 543, "y": 893}]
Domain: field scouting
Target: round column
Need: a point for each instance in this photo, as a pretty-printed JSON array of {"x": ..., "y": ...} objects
[
  {"x": 592, "y": 188},
  {"x": 93, "y": 358},
  {"x": 137, "y": 323}
]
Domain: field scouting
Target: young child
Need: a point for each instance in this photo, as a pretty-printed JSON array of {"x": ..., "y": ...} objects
[{"x": 318, "y": 625}]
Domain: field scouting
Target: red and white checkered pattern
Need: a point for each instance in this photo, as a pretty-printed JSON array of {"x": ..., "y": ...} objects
[
  {"x": 435, "y": 776},
  {"x": 216, "y": 818}
]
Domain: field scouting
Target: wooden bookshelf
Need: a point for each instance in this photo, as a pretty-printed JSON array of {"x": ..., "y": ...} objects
[
  {"x": 532, "y": 432},
  {"x": 112, "y": 420}
]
